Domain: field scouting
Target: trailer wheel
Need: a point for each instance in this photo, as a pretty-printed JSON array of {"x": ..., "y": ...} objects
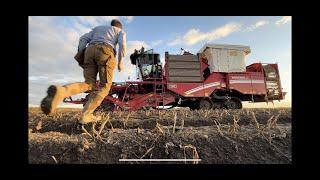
[{"x": 205, "y": 103}]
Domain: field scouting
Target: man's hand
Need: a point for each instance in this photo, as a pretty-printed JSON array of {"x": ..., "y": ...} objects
[{"x": 120, "y": 66}]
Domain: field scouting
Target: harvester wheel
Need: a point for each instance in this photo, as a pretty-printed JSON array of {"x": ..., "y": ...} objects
[
  {"x": 205, "y": 103},
  {"x": 194, "y": 105},
  {"x": 217, "y": 105},
  {"x": 147, "y": 108},
  {"x": 104, "y": 107},
  {"x": 233, "y": 103}
]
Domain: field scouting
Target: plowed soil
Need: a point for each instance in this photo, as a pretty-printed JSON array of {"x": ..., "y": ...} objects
[{"x": 248, "y": 136}]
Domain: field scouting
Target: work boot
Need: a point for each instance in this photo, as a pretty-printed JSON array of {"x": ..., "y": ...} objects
[
  {"x": 94, "y": 101},
  {"x": 88, "y": 118},
  {"x": 57, "y": 93},
  {"x": 52, "y": 100}
]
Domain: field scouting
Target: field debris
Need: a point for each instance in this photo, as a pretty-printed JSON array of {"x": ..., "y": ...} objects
[{"x": 254, "y": 136}]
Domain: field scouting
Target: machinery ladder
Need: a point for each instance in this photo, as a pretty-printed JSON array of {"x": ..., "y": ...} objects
[{"x": 159, "y": 92}]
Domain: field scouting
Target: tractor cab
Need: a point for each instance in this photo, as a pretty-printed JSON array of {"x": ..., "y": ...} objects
[{"x": 148, "y": 64}]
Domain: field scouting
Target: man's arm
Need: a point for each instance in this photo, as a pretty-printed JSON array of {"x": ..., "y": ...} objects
[
  {"x": 84, "y": 40},
  {"x": 122, "y": 49}
]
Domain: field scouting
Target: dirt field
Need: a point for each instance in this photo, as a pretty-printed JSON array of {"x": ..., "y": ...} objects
[{"x": 254, "y": 136}]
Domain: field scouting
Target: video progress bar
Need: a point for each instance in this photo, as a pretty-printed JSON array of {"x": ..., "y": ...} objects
[{"x": 158, "y": 160}]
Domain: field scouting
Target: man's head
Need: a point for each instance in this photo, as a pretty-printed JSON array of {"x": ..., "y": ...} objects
[{"x": 116, "y": 23}]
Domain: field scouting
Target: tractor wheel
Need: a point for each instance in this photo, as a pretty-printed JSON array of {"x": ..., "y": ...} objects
[
  {"x": 205, "y": 103},
  {"x": 233, "y": 103}
]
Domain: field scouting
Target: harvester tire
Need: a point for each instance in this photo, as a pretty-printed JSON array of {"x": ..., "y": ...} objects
[
  {"x": 194, "y": 105},
  {"x": 104, "y": 107},
  {"x": 233, "y": 103},
  {"x": 205, "y": 104}
]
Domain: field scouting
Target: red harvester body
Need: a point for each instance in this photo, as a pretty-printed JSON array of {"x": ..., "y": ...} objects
[{"x": 186, "y": 81}]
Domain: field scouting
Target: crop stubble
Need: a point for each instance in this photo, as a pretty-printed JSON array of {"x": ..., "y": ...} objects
[{"x": 255, "y": 136}]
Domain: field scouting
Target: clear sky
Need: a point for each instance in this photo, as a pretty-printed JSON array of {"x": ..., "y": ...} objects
[{"x": 53, "y": 42}]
